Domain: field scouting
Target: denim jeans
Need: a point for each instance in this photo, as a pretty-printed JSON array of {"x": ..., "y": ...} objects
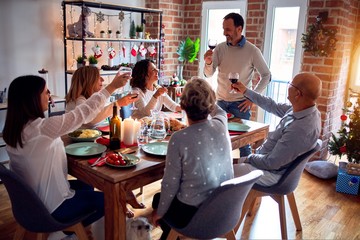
[
  {"x": 232, "y": 107},
  {"x": 85, "y": 200}
]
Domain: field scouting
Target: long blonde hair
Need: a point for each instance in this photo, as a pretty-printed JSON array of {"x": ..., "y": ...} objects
[{"x": 82, "y": 83}]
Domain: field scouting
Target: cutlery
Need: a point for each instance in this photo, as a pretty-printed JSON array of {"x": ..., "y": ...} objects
[{"x": 98, "y": 160}]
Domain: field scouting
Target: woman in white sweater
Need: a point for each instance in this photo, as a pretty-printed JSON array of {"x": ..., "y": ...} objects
[
  {"x": 37, "y": 153},
  {"x": 151, "y": 96}
]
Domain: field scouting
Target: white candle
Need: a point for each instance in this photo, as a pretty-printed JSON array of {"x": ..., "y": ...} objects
[
  {"x": 122, "y": 130},
  {"x": 128, "y": 131},
  {"x": 137, "y": 125}
]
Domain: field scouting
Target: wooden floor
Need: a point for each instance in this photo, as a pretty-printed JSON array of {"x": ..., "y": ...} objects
[{"x": 324, "y": 213}]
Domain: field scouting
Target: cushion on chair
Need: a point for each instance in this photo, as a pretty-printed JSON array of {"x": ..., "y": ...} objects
[{"x": 322, "y": 169}]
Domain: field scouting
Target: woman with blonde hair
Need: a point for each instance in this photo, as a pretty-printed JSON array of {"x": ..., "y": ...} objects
[
  {"x": 198, "y": 159},
  {"x": 85, "y": 82}
]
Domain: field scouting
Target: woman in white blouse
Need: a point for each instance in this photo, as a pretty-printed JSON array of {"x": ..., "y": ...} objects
[
  {"x": 151, "y": 96},
  {"x": 37, "y": 153}
]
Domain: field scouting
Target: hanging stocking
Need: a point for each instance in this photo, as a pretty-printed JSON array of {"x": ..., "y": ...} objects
[
  {"x": 152, "y": 50},
  {"x": 134, "y": 50},
  {"x": 142, "y": 50},
  {"x": 112, "y": 52},
  {"x": 97, "y": 51}
]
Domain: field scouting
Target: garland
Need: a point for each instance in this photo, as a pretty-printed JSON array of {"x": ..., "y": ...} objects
[{"x": 318, "y": 40}]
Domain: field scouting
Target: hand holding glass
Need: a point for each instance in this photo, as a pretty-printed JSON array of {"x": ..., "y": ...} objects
[
  {"x": 233, "y": 77},
  {"x": 123, "y": 70}
]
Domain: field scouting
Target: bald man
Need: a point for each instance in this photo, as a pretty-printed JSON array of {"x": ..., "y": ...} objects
[{"x": 295, "y": 134}]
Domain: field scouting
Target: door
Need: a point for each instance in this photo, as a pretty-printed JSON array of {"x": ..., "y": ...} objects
[
  {"x": 285, "y": 24},
  {"x": 212, "y": 18}
]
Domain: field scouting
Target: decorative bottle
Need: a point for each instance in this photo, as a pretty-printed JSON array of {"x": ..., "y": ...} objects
[{"x": 115, "y": 129}]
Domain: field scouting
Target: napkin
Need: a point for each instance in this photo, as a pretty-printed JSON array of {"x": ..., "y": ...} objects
[
  {"x": 104, "y": 128},
  {"x": 99, "y": 164},
  {"x": 106, "y": 142},
  {"x": 235, "y": 133}
]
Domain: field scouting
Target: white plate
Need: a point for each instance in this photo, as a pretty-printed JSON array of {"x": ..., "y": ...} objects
[
  {"x": 135, "y": 160},
  {"x": 156, "y": 148},
  {"x": 239, "y": 127},
  {"x": 88, "y": 139},
  {"x": 84, "y": 149}
]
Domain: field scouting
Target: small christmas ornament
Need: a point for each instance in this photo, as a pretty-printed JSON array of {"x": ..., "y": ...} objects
[
  {"x": 100, "y": 17},
  {"x": 348, "y": 104},
  {"x": 147, "y": 35},
  {"x": 152, "y": 50},
  {"x": 142, "y": 50},
  {"x": 121, "y": 16},
  {"x": 97, "y": 51},
  {"x": 134, "y": 50},
  {"x": 112, "y": 52},
  {"x": 343, "y": 117}
]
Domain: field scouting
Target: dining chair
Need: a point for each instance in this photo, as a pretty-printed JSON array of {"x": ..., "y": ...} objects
[
  {"x": 285, "y": 187},
  {"x": 220, "y": 212},
  {"x": 30, "y": 212}
]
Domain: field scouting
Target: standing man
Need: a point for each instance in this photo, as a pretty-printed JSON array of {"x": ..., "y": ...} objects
[{"x": 236, "y": 55}]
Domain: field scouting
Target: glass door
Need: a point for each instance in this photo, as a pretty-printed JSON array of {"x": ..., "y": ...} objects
[
  {"x": 282, "y": 50},
  {"x": 212, "y": 19}
]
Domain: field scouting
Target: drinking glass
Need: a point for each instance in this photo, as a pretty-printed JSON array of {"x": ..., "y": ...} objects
[
  {"x": 212, "y": 43},
  {"x": 157, "y": 128},
  {"x": 165, "y": 81},
  {"x": 135, "y": 93},
  {"x": 233, "y": 77},
  {"x": 142, "y": 135},
  {"x": 123, "y": 70}
]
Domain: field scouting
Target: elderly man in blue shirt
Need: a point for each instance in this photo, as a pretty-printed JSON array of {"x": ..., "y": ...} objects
[{"x": 296, "y": 133}]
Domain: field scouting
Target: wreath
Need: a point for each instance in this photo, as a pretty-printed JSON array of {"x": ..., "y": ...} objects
[{"x": 318, "y": 40}]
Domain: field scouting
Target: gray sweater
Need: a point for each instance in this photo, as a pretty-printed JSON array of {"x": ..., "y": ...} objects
[{"x": 198, "y": 160}]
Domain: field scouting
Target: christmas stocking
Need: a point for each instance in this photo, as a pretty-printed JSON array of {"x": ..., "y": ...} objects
[{"x": 134, "y": 50}]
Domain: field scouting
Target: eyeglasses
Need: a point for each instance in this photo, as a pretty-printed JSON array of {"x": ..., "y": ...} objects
[
  {"x": 301, "y": 93},
  {"x": 139, "y": 227}
]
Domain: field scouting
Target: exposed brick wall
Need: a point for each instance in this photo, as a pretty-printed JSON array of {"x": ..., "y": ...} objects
[{"x": 333, "y": 70}]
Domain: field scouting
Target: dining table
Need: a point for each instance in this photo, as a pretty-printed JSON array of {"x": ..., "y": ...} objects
[{"x": 115, "y": 182}]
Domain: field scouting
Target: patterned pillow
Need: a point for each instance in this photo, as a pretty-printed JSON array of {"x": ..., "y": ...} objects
[{"x": 322, "y": 169}]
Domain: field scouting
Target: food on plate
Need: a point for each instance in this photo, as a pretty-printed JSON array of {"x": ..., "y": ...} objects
[
  {"x": 115, "y": 159},
  {"x": 84, "y": 133},
  {"x": 175, "y": 125}
]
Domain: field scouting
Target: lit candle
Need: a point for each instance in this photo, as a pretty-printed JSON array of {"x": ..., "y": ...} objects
[
  {"x": 128, "y": 131},
  {"x": 137, "y": 125},
  {"x": 122, "y": 130}
]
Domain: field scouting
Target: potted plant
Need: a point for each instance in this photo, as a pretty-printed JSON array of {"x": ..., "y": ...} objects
[
  {"x": 139, "y": 31},
  {"x": 187, "y": 51},
  {"x": 80, "y": 60},
  {"x": 92, "y": 60},
  {"x": 102, "y": 33},
  {"x": 118, "y": 34},
  {"x": 109, "y": 33},
  {"x": 132, "y": 32}
]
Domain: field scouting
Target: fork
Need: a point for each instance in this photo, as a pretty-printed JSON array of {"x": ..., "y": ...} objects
[{"x": 98, "y": 160}]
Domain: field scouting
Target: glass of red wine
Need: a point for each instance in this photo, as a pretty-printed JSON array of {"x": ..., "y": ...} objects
[
  {"x": 212, "y": 43},
  {"x": 233, "y": 77},
  {"x": 134, "y": 93}
]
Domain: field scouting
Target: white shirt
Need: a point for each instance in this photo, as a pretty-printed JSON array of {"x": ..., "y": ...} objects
[{"x": 42, "y": 161}]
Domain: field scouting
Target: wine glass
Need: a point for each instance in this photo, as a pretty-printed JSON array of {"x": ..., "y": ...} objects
[
  {"x": 121, "y": 71},
  {"x": 142, "y": 135},
  {"x": 135, "y": 94},
  {"x": 165, "y": 81},
  {"x": 233, "y": 77},
  {"x": 212, "y": 43}
]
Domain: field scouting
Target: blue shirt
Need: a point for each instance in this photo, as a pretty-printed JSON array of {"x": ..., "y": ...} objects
[{"x": 296, "y": 134}]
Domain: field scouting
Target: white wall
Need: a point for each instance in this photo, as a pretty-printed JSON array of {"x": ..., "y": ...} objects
[{"x": 31, "y": 39}]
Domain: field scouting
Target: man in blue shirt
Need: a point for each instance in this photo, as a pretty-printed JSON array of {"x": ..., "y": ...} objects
[{"x": 296, "y": 133}]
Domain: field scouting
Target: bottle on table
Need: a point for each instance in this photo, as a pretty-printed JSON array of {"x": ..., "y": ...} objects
[{"x": 115, "y": 129}]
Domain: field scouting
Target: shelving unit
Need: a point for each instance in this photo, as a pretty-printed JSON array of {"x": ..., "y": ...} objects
[{"x": 86, "y": 40}]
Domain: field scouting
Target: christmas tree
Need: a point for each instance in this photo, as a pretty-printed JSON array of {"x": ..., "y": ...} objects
[{"x": 347, "y": 142}]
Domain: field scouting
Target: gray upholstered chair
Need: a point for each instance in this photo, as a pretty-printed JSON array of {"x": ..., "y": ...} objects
[
  {"x": 218, "y": 214},
  {"x": 30, "y": 212},
  {"x": 285, "y": 187}
]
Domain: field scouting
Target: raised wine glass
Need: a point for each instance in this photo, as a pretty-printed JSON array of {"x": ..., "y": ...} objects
[
  {"x": 165, "y": 81},
  {"x": 212, "y": 43},
  {"x": 134, "y": 93},
  {"x": 233, "y": 77},
  {"x": 123, "y": 70}
]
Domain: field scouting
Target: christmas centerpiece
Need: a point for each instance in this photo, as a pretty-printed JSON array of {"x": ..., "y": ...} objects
[{"x": 347, "y": 140}]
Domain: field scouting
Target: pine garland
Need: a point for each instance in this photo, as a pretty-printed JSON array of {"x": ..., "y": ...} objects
[{"x": 318, "y": 40}]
